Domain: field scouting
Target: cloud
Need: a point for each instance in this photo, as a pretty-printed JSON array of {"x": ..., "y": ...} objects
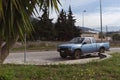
[
  {"x": 110, "y": 16},
  {"x": 93, "y": 20},
  {"x": 75, "y": 4},
  {"x": 90, "y": 20},
  {"x": 111, "y": 9}
]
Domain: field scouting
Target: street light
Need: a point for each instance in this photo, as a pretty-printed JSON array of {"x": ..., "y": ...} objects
[
  {"x": 83, "y": 18},
  {"x": 101, "y": 21}
]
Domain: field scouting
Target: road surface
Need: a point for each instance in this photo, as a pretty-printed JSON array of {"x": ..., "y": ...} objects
[{"x": 48, "y": 57}]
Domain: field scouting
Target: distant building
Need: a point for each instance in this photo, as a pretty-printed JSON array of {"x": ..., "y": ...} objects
[{"x": 90, "y": 34}]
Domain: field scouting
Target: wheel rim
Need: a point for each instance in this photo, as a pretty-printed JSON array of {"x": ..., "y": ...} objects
[
  {"x": 102, "y": 50},
  {"x": 77, "y": 54}
]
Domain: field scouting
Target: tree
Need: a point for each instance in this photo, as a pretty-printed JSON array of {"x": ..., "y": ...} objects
[
  {"x": 65, "y": 26},
  {"x": 37, "y": 28},
  {"x": 47, "y": 32},
  {"x": 116, "y": 37},
  {"x": 15, "y": 21},
  {"x": 43, "y": 27},
  {"x": 61, "y": 26},
  {"x": 73, "y": 31}
]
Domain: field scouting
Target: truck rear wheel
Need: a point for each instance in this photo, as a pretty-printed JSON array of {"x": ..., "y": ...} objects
[
  {"x": 63, "y": 55},
  {"x": 102, "y": 50},
  {"x": 77, "y": 54}
]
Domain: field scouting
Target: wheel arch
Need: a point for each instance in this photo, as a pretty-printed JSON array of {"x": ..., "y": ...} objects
[
  {"x": 78, "y": 49},
  {"x": 102, "y": 47}
]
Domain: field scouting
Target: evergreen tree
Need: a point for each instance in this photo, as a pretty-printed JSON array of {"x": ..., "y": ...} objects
[
  {"x": 44, "y": 29},
  {"x": 61, "y": 26},
  {"x": 72, "y": 29},
  {"x": 47, "y": 32},
  {"x": 65, "y": 26},
  {"x": 35, "y": 32}
]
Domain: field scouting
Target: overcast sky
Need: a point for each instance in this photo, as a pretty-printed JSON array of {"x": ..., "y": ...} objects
[{"x": 110, "y": 12}]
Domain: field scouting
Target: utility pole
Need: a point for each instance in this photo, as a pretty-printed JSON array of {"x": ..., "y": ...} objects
[
  {"x": 106, "y": 31},
  {"x": 101, "y": 21}
]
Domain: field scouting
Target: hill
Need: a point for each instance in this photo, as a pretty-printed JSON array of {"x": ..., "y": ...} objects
[{"x": 86, "y": 29}]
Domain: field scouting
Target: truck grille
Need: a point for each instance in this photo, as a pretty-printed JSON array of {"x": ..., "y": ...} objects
[{"x": 64, "y": 49}]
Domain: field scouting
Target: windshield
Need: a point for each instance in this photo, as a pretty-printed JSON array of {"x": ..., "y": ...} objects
[{"x": 76, "y": 40}]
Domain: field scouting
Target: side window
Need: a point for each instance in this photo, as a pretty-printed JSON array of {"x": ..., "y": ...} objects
[
  {"x": 87, "y": 41},
  {"x": 80, "y": 40}
]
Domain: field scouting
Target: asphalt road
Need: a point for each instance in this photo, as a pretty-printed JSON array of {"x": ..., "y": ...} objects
[{"x": 49, "y": 57}]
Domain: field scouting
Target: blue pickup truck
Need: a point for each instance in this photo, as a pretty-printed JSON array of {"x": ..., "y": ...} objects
[{"x": 80, "y": 46}]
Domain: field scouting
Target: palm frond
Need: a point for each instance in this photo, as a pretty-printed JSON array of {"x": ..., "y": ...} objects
[{"x": 15, "y": 16}]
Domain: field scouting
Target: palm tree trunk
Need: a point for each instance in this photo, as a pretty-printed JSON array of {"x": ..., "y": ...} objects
[{"x": 4, "y": 50}]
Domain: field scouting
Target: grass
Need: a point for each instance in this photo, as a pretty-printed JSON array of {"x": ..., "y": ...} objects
[
  {"x": 108, "y": 69},
  {"x": 32, "y": 47}
]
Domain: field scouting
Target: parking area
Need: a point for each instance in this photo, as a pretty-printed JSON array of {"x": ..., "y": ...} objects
[{"x": 50, "y": 57}]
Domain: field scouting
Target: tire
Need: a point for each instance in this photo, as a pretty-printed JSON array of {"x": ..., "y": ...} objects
[
  {"x": 102, "y": 50},
  {"x": 77, "y": 54},
  {"x": 62, "y": 55}
]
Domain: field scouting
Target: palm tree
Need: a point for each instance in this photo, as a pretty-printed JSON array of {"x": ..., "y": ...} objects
[{"x": 15, "y": 21}]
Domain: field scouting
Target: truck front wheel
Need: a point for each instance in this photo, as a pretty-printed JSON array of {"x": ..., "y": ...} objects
[
  {"x": 77, "y": 54},
  {"x": 62, "y": 55}
]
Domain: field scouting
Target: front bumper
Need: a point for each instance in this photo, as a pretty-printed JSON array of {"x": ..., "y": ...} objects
[{"x": 65, "y": 51}]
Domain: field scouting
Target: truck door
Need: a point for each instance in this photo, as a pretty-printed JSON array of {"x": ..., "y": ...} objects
[
  {"x": 94, "y": 45},
  {"x": 87, "y": 46}
]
